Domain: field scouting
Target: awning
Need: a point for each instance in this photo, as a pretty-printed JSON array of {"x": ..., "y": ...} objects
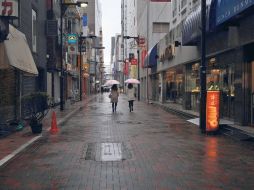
[
  {"x": 192, "y": 25},
  {"x": 16, "y": 52},
  {"x": 151, "y": 57}
]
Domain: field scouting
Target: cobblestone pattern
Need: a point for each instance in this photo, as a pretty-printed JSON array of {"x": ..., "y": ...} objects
[{"x": 168, "y": 153}]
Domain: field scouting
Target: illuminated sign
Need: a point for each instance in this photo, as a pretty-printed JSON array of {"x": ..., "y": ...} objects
[
  {"x": 72, "y": 38},
  {"x": 212, "y": 110}
]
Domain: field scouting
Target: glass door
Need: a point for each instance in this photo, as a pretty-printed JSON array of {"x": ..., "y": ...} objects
[
  {"x": 228, "y": 92},
  {"x": 252, "y": 93}
]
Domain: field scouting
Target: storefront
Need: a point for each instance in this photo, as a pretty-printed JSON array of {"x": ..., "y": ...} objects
[
  {"x": 173, "y": 80},
  {"x": 220, "y": 76}
]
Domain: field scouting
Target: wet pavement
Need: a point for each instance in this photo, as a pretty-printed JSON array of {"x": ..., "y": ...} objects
[{"x": 145, "y": 149}]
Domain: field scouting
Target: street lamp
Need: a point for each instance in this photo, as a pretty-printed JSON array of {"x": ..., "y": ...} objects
[
  {"x": 62, "y": 5},
  {"x": 81, "y": 38},
  {"x": 137, "y": 39}
]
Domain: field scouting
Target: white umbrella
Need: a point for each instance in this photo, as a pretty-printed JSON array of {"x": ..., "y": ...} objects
[
  {"x": 111, "y": 82},
  {"x": 132, "y": 81}
]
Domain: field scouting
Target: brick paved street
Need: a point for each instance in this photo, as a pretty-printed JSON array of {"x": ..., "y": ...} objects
[{"x": 146, "y": 149}]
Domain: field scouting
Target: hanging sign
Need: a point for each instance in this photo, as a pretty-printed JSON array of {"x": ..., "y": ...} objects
[
  {"x": 72, "y": 50},
  {"x": 9, "y": 8},
  {"x": 72, "y": 38},
  {"x": 212, "y": 111},
  {"x": 134, "y": 61}
]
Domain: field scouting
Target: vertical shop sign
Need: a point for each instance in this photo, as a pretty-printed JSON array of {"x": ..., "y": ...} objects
[
  {"x": 212, "y": 111},
  {"x": 143, "y": 56},
  {"x": 9, "y": 8}
]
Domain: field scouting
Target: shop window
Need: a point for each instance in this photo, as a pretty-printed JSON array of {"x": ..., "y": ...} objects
[
  {"x": 174, "y": 85},
  {"x": 159, "y": 27}
]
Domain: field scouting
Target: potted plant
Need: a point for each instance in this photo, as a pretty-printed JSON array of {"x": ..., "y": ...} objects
[{"x": 35, "y": 108}]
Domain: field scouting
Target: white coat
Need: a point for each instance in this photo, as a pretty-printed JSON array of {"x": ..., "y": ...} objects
[{"x": 131, "y": 94}]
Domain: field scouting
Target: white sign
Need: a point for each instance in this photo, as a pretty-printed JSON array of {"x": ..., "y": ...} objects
[
  {"x": 72, "y": 50},
  {"x": 9, "y": 8}
]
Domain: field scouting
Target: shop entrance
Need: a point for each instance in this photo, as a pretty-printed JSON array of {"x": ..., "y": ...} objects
[
  {"x": 249, "y": 85},
  {"x": 228, "y": 92}
]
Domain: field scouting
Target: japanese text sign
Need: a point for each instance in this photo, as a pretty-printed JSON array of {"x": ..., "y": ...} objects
[
  {"x": 212, "y": 110},
  {"x": 9, "y": 8}
]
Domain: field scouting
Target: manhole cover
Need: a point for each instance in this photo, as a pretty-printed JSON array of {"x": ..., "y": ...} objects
[{"x": 106, "y": 152}]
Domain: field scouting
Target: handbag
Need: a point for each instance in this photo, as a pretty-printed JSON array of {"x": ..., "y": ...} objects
[{"x": 110, "y": 95}]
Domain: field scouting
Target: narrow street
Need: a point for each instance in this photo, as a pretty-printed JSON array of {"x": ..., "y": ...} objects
[{"x": 141, "y": 150}]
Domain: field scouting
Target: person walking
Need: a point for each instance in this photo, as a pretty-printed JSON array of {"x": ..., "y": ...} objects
[
  {"x": 131, "y": 96},
  {"x": 114, "y": 97}
]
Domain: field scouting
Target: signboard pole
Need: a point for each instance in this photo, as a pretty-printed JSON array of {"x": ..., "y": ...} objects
[
  {"x": 80, "y": 68},
  {"x": 202, "y": 113}
]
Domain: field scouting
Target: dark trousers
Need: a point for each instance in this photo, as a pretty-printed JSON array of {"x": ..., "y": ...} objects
[
  {"x": 114, "y": 105},
  {"x": 131, "y": 104}
]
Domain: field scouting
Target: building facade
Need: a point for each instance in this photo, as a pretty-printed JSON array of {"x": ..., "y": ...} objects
[
  {"x": 229, "y": 58},
  {"x": 23, "y": 70},
  {"x": 153, "y": 23}
]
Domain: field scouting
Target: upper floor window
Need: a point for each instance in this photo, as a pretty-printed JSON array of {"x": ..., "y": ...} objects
[
  {"x": 160, "y": 27},
  {"x": 34, "y": 31}
]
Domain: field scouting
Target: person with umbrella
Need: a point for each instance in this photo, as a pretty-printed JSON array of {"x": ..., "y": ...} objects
[
  {"x": 114, "y": 97},
  {"x": 131, "y": 91},
  {"x": 131, "y": 96}
]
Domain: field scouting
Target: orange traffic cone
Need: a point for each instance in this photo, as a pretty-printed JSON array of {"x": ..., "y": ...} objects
[{"x": 54, "y": 128}]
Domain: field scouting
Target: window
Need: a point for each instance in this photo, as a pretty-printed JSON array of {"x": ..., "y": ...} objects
[
  {"x": 159, "y": 27},
  {"x": 174, "y": 8},
  {"x": 34, "y": 31}
]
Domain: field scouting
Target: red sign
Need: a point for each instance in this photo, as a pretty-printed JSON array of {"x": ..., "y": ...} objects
[
  {"x": 143, "y": 56},
  {"x": 134, "y": 61},
  {"x": 126, "y": 68},
  {"x": 9, "y": 8},
  {"x": 212, "y": 111},
  {"x": 141, "y": 41}
]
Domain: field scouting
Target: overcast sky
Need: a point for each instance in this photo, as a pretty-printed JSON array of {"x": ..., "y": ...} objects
[{"x": 111, "y": 24}]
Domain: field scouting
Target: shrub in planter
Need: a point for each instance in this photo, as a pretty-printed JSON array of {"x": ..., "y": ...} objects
[{"x": 35, "y": 107}]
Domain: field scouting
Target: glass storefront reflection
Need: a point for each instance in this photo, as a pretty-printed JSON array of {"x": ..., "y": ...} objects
[
  {"x": 174, "y": 85},
  {"x": 218, "y": 78}
]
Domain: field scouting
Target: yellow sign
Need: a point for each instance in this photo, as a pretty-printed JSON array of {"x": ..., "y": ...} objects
[
  {"x": 85, "y": 67},
  {"x": 133, "y": 73}
]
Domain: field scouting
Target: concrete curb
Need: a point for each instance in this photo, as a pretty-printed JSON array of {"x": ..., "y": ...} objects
[{"x": 223, "y": 127}]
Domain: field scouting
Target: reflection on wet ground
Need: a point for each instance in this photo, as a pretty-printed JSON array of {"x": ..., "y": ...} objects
[{"x": 142, "y": 150}]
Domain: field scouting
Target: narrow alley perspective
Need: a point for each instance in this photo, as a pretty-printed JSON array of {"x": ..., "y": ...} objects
[
  {"x": 126, "y": 94},
  {"x": 144, "y": 149}
]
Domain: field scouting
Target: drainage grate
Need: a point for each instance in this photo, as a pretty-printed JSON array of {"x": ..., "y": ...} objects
[
  {"x": 129, "y": 122},
  {"x": 106, "y": 152}
]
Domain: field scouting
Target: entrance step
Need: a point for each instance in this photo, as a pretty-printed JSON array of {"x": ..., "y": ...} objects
[{"x": 236, "y": 133}]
